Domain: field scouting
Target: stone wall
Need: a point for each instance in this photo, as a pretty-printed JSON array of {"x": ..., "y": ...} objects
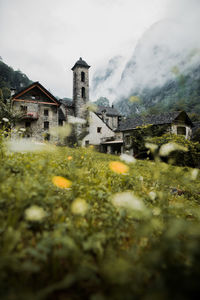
[
  {"x": 79, "y": 101},
  {"x": 36, "y": 129}
]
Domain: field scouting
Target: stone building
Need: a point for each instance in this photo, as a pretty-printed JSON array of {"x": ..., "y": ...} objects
[
  {"x": 173, "y": 122},
  {"x": 105, "y": 128},
  {"x": 38, "y": 109}
]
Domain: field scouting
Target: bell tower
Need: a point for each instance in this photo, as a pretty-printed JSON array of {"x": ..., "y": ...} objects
[{"x": 80, "y": 88}]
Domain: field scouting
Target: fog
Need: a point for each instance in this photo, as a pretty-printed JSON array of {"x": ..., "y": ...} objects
[
  {"x": 44, "y": 38},
  {"x": 168, "y": 48}
]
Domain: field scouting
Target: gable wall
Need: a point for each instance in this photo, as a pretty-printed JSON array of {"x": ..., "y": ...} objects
[
  {"x": 35, "y": 94},
  {"x": 94, "y": 137}
]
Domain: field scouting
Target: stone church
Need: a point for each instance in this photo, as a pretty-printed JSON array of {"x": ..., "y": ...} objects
[{"x": 105, "y": 128}]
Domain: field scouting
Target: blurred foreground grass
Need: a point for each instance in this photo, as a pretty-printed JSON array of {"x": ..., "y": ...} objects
[{"x": 73, "y": 225}]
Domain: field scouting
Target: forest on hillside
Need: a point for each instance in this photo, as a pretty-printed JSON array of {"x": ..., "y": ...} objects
[{"x": 11, "y": 79}]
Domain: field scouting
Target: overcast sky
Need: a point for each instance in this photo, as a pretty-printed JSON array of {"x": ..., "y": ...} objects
[{"x": 44, "y": 38}]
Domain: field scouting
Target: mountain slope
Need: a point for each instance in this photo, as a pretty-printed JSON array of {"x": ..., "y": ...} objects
[
  {"x": 162, "y": 73},
  {"x": 10, "y": 78}
]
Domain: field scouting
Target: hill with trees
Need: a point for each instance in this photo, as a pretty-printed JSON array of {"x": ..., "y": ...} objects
[{"x": 11, "y": 79}]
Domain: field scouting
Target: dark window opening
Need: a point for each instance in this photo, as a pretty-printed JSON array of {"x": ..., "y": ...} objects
[
  {"x": 23, "y": 108},
  {"x": 46, "y": 112},
  {"x": 83, "y": 92},
  {"x": 82, "y": 76},
  {"x": 60, "y": 122},
  {"x": 46, "y": 125},
  {"x": 181, "y": 130},
  {"x": 86, "y": 143},
  {"x": 127, "y": 140},
  {"x": 27, "y": 124},
  {"x": 47, "y": 137},
  {"x": 99, "y": 129}
]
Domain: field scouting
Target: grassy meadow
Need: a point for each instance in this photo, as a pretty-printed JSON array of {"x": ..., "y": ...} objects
[{"x": 78, "y": 224}]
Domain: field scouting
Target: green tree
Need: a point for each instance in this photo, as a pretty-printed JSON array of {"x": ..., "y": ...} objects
[{"x": 102, "y": 101}]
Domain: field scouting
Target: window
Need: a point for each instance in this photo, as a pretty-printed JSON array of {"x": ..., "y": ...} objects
[
  {"x": 82, "y": 76},
  {"x": 46, "y": 125},
  {"x": 181, "y": 130},
  {"x": 127, "y": 140},
  {"x": 99, "y": 129},
  {"x": 86, "y": 143},
  {"x": 23, "y": 109},
  {"x": 46, "y": 112},
  {"x": 83, "y": 92},
  {"x": 27, "y": 124}
]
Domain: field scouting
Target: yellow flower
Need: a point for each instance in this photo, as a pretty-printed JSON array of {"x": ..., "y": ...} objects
[
  {"x": 61, "y": 182},
  {"x": 69, "y": 157},
  {"x": 118, "y": 167}
]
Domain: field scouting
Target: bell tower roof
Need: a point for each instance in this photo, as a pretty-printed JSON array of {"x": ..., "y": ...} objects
[{"x": 81, "y": 63}]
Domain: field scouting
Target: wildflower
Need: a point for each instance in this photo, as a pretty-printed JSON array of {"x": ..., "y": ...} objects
[
  {"x": 127, "y": 158},
  {"x": 118, "y": 167},
  {"x": 127, "y": 200},
  {"x": 69, "y": 157},
  {"x": 194, "y": 174},
  {"x": 61, "y": 182},
  {"x": 22, "y": 129},
  {"x": 156, "y": 211},
  {"x": 166, "y": 149},
  {"x": 35, "y": 213},
  {"x": 152, "y": 195},
  {"x": 151, "y": 147},
  {"x": 141, "y": 178},
  {"x": 79, "y": 206},
  {"x": 5, "y": 120},
  {"x": 25, "y": 146},
  {"x": 60, "y": 131}
]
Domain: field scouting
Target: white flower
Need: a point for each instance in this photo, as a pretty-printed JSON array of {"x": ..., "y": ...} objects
[
  {"x": 127, "y": 158},
  {"x": 151, "y": 146},
  {"x": 61, "y": 131},
  {"x": 141, "y": 178},
  {"x": 24, "y": 145},
  {"x": 5, "y": 120},
  {"x": 127, "y": 200},
  {"x": 79, "y": 206},
  {"x": 194, "y": 174},
  {"x": 35, "y": 213},
  {"x": 22, "y": 129},
  {"x": 74, "y": 120},
  {"x": 156, "y": 211},
  {"x": 166, "y": 149},
  {"x": 152, "y": 195}
]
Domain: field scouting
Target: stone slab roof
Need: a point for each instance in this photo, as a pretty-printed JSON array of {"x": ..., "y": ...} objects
[
  {"x": 161, "y": 119},
  {"x": 109, "y": 111},
  {"x": 67, "y": 102},
  {"x": 81, "y": 63}
]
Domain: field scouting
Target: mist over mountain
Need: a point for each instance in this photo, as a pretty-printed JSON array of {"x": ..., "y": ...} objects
[{"x": 163, "y": 71}]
